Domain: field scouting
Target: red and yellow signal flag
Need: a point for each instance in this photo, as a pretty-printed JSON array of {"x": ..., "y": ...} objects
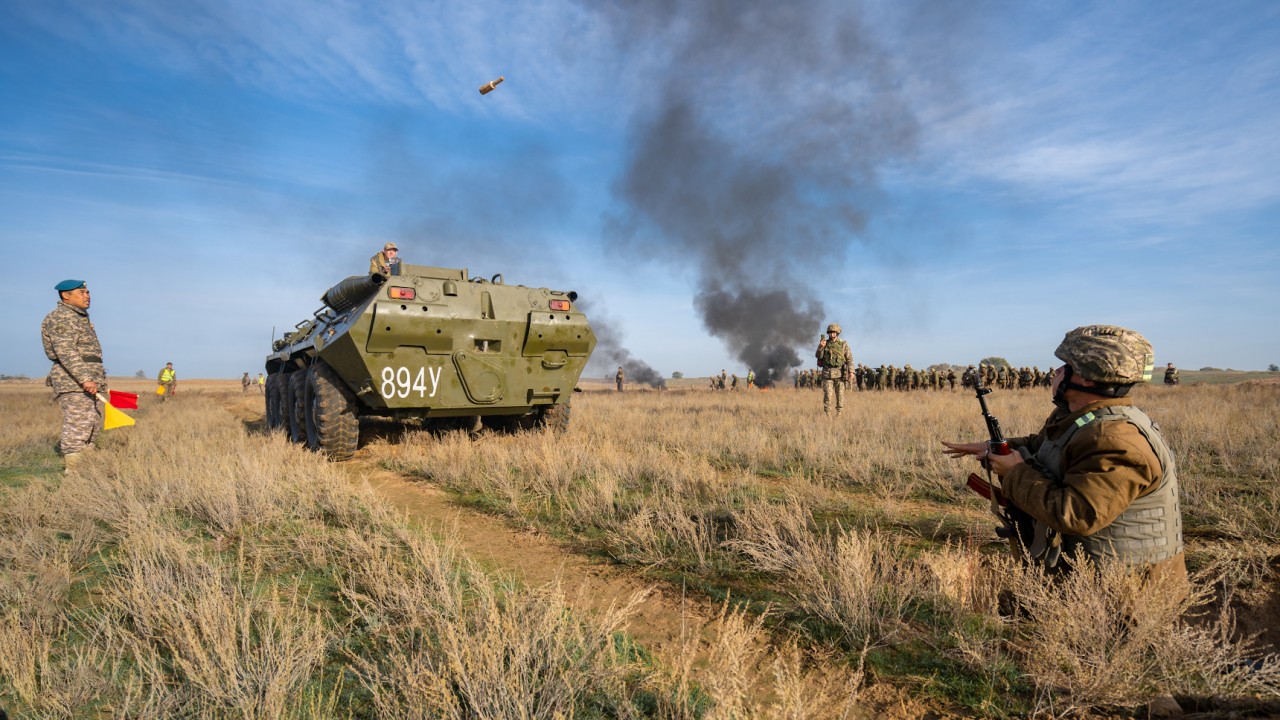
[
  {"x": 124, "y": 400},
  {"x": 111, "y": 417}
]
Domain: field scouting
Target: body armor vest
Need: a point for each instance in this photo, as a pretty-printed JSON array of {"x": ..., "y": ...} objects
[
  {"x": 1149, "y": 531},
  {"x": 833, "y": 354}
]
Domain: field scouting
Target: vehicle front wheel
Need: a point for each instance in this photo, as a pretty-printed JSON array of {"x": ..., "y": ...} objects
[
  {"x": 273, "y": 405},
  {"x": 555, "y": 418},
  {"x": 332, "y": 424},
  {"x": 296, "y": 407}
]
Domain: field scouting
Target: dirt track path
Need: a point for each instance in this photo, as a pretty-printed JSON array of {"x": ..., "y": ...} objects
[{"x": 663, "y": 620}]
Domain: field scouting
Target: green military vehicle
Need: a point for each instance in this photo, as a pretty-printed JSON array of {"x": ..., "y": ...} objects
[{"x": 427, "y": 343}]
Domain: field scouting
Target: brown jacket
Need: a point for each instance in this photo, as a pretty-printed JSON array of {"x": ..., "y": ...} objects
[
  {"x": 1105, "y": 467},
  {"x": 380, "y": 264}
]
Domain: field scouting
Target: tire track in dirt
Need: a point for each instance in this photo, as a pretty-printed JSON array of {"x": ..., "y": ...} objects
[{"x": 663, "y": 620}]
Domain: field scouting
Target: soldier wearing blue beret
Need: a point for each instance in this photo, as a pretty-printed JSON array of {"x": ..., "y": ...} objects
[{"x": 77, "y": 376}]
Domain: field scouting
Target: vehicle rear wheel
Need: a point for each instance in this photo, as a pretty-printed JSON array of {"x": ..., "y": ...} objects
[
  {"x": 296, "y": 406},
  {"x": 332, "y": 424},
  {"x": 555, "y": 418}
]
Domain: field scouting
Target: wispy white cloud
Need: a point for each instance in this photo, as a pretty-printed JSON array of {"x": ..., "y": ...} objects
[{"x": 1147, "y": 119}]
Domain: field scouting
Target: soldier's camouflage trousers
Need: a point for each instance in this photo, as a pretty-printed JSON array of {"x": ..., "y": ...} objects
[
  {"x": 832, "y": 385},
  {"x": 81, "y": 421}
]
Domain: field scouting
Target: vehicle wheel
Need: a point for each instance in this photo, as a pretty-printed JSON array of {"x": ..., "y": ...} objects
[
  {"x": 282, "y": 402},
  {"x": 296, "y": 406},
  {"x": 555, "y": 417},
  {"x": 332, "y": 424},
  {"x": 273, "y": 404}
]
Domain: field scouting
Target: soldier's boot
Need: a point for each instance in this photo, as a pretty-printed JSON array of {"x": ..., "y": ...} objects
[{"x": 70, "y": 460}]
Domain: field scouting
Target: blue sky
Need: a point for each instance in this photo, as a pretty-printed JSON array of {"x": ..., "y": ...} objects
[{"x": 947, "y": 180}]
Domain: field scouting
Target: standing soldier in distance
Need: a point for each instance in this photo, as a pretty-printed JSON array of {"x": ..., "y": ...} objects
[
  {"x": 77, "y": 376},
  {"x": 1171, "y": 375},
  {"x": 245, "y": 382},
  {"x": 168, "y": 380},
  {"x": 619, "y": 378},
  {"x": 836, "y": 359},
  {"x": 262, "y": 384},
  {"x": 382, "y": 263}
]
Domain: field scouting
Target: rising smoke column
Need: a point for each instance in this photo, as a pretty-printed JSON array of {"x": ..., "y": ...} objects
[
  {"x": 755, "y": 160},
  {"x": 610, "y": 352}
]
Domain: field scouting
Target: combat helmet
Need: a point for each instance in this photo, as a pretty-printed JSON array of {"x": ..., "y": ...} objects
[
  {"x": 1107, "y": 354},
  {"x": 833, "y": 327}
]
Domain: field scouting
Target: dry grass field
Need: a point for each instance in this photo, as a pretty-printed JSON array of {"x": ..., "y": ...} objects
[{"x": 199, "y": 567}]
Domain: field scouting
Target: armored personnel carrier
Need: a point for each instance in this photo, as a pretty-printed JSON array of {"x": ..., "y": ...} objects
[{"x": 430, "y": 343}]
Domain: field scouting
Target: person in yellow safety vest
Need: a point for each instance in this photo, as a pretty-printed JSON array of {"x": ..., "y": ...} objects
[
  {"x": 262, "y": 384},
  {"x": 168, "y": 380}
]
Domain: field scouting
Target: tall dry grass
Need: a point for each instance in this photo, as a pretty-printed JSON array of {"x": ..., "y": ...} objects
[
  {"x": 31, "y": 423},
  {"x": 863, "y": 531},
  {"x": 194, "y": 569}
]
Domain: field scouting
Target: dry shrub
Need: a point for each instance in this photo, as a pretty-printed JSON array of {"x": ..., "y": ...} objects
[
  {"x": 853, "y": 580},
  {"x": 32, "y": 422},
  {"x": 1103, "y": 635},
  {"x": 727, "y": 668},
  {"x": 229, "y": 641},
  {"x": 203, "y": 467},
  {"x": 665, "y": 533},
  {"x": 193, "y": 539},
  {"x": 446, "y": 641}
]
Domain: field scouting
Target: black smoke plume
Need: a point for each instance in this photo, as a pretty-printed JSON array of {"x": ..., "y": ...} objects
[
  {"x": 610, "y": 353},
  {"x": 757, "y": 159}
]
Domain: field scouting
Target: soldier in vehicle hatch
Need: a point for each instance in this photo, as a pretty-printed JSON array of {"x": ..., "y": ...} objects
[{"x": 383, "y": 262}]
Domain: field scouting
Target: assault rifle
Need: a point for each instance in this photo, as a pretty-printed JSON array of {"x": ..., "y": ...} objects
[{"x": 1016, "y": 524}]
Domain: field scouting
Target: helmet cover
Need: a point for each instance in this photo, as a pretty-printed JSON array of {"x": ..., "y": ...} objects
[{"x": 1107, "y": 354}]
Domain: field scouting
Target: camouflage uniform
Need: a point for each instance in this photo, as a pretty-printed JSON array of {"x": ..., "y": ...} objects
[
  {"x": 71, "y": 343},
  {"x": 1171, "y": 375},
  {"x": 619, "y": 378},
  {"x": 245, "y": 382},
  {"x": 835, "y": 357}
]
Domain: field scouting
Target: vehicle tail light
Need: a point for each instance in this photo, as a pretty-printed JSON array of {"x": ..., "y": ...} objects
[
  {"x": 561, "y": 305},
  {"x": 401, "y": 293}
]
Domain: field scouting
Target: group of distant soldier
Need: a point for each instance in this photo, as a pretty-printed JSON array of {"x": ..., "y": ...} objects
[
  {"x": 727, "y": 381},
  {"x": 1007, "y": 378},
  {"x": 891, "y": 377}
]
